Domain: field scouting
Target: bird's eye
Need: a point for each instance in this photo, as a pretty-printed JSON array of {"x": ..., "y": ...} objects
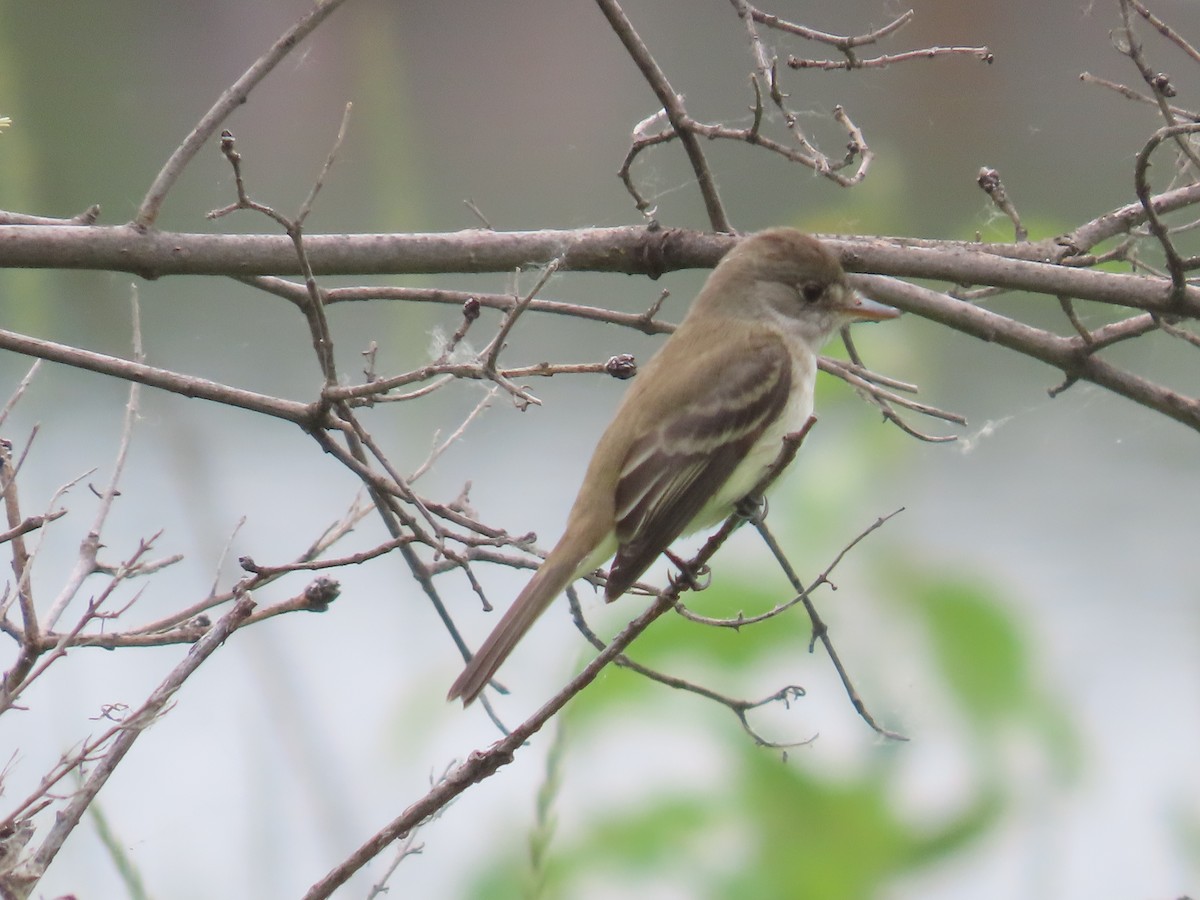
[{"x": 811, "y": 291}]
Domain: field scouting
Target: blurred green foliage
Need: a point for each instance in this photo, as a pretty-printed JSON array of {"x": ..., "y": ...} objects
[{"x": 778, "y": 826}]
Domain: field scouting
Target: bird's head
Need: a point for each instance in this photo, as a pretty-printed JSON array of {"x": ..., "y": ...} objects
[{"x": 790, "y": 278}]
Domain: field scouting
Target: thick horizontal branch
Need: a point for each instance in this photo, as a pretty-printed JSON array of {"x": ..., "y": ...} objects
[
  {"x": 964, "y": 264},
  {"x": 631, "y": 250},
  {"x": 1072, "y": 355},
  {"x": 121, "y": 248}
]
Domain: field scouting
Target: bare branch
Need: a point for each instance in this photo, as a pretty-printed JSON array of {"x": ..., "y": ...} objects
[
  {"x": 1130, "y": 94},
  {"x": 85, "y": 565},
  {"x": 672, "y": 103},
  {"x": 842, "y": 42},
  {"x": 129, "y": 731},
  {"x": 989, "y": 180},
  {"x": 1071, "y": 355},
  {"x": 230, "y": 100},
  {"x": 492, "y": 352},
  {"x": 1166, "y": 30},
  {"x": 307, "y": 205},
  {"x": 820, "y": 631},
  {"x": 484, "y": 402},
  {"x": 882, "y": 62},
  {"x": 485, "y": 763},
  {"x": 1175, "y": 263},
  {"x": 88, "y": 217},
  {"x": 627, "y": 250}
]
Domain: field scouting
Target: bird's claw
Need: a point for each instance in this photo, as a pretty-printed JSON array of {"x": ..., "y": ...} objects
[
  {"x": 752, "y": 508},
  {"x": 689, "y": 577}
]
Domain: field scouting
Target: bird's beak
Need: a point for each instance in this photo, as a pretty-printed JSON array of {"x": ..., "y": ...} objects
[{"x": 863, "y": 308}]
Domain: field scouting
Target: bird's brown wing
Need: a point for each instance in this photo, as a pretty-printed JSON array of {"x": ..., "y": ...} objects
[{"x": 673, "y": 470}]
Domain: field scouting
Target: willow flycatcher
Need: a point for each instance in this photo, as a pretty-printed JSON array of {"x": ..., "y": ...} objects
[{"x": 699, "y": 427}]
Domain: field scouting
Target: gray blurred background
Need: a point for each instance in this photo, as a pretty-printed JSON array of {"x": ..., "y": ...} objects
[{"x": 1050, "y": 553}]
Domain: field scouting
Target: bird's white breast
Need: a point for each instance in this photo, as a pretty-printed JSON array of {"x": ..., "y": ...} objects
[{"x": 766, "y": 450}]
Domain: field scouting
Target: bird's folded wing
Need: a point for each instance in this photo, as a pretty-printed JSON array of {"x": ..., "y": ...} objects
[{"x": 673, "y": 470}]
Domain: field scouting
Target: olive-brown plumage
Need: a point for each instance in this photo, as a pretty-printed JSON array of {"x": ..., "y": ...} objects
[{"x": 700, "y": 425}]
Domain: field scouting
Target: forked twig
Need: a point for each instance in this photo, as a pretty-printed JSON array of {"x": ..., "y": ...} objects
[
  {"x": 231, "y": 99},
  {"x": 820, "y": 630},
  {"x": 672, "y": 103}
]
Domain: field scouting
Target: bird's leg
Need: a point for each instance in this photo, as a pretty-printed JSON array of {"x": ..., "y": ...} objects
[
  {"x": 688, "y": 576},
  {"x": 753, "y": 508}
]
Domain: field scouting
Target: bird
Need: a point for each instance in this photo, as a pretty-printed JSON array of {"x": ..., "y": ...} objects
[{"x": 700, "y": 425}]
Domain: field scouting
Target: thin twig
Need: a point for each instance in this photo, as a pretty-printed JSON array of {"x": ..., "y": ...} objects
[
  {"x": 484, "y": 402},
  {"x": 740, "y": 708},
  {"x": 1130, "y": 94},
  {"x": 672, "y": 103},
  {"x": 989, "y": 180},
  {"x": 22, "y": 571},
  {"x": 1166, "y": 30},
  {"x": 1158, "y": 82},
  {"x": 88, "y": 217},
  {"x": 842, "y": 42},
  {"x": 19, "y": 391},
  {"x": 1175, "y": 263},
  {"x": 230, "y": 99},
  {"x": 491, "y": 353},
  {"x": 130, "y": 730},
  {"x": 881, "y": 62},
  {"x": 307, "y": 205},
  {"x": 163, "y": 379},
  {"x": 86, "y": 564},
  {"x": 820, "y": 631}
]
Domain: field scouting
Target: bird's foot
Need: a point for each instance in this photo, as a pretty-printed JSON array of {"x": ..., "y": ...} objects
[
  {"x": 694, "y": 579},
  {"x": 752, "y": 508}
]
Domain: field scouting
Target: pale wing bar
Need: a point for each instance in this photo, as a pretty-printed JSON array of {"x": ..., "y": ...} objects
[{"x": 674, "y": 470}]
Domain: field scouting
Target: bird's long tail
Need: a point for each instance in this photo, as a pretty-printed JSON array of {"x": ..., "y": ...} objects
[{"x": 547, "y": 583}]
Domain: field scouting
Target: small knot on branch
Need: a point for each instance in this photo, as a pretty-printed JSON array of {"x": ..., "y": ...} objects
[
  {"x": 1162, "y": 83},
  {"x": 322, "y": 591},
  {"x": 623, "y": 366}
]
